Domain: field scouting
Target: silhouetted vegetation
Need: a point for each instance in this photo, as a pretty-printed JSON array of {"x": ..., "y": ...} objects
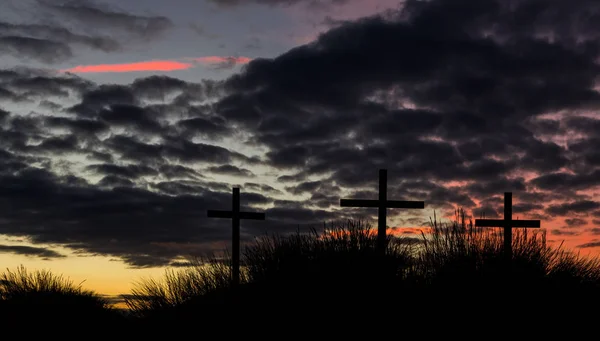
[
  {"x": 454, "y": 269},
  {"x": 41, "y": 296}
]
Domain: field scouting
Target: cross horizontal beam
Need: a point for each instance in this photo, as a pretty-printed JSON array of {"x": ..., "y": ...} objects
[
  {"x": 377, "y": 203},
  {"x": 507, "y": 223},
  {"x": 235, "y": 215},
  {"x": 382, "y": 205},
  {"x": 242, "y": 215}
]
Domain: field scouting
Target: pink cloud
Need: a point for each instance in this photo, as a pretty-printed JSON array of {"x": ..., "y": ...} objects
[
  {"x": 156, "y": 65},
  {"x": 218, "y": 62}
]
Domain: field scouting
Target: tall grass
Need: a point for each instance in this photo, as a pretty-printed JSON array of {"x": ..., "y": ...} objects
[
  {"x": 20, "y": 284},
  {"x": 340, "y": 266},
  {"x": 469, "y": 261},
  {"x": 343, "y": 252},
  {"x": 178, "y": 286},
  {"x": 42, "y": 295}
]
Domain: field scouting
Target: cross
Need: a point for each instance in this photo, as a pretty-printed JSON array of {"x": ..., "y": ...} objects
[
  {"x": 382, "y": 204},
  {"x": 235, "y": 215},
  {"x": 507, "y": 223}
]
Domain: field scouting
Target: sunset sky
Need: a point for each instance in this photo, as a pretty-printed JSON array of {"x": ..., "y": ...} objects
[{"x": 122, "y": 122}]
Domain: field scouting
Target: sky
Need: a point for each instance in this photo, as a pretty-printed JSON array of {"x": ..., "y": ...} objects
[{"x": 123, "y": 122}]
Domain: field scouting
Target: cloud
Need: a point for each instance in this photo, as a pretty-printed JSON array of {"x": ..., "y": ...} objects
[
  {"x": 129, "y": 171},
  {"x": 589, "y": 245},
  {"x": 562, "y": 232},
  {"x": 218, "y": 62},
  {"x": 582, "y": 206},
  {"x": 231, "y": 170},
  {"x": 50, "y": 31},
  {"x": 563, "y": 180},
  {"x": 161, "y": 65},
  {"x": 43, "y": 50},
  {"x": 262, "y": 188},
  {"x": 30, "y": 251},
  {"x": 155, "y": 65},
  {"x": 101, "y": 17},
  {"x": 460, "y": 101},
  {"x": 310, "y": 3},
  {"x": 61, "y": 34},
  {"x": 575, "y": 222}
]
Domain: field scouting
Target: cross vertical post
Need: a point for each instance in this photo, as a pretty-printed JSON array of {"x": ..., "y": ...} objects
[
  {"x": 507, "y": 227},
  {"x": 382, "y": 210},
  {"x": 235, "y": 215},
  {"x": 508, "y": 224},
  {"x": 382, "y": 205},
  {"x": 235, "y": 236}
]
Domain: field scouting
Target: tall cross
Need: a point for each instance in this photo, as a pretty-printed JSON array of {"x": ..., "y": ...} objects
[
  {"x": 382, "y": 204},
  {"x": 235, "y": 215},
  {"x": 507, "y": 223}
]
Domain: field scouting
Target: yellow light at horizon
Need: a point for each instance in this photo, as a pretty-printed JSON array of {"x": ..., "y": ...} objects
[{"x": 104, "y": 275}]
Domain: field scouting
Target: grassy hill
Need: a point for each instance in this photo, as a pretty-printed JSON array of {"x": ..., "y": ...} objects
[{"x": 336, "y": 278}]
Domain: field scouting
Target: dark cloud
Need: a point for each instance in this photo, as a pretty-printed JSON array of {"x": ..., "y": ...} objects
[
  {"x": 575, "y": 222},
  {"x": 291, "y": 178},
  {"x": 475, "y": 86},
  {"x": 324, "y": 200},
  {"x": 589, "y": 245},
  {"x": 583, "y": 206},
  {"x": 178, "y": 171},
  {"x": 30, "y": 251},
  {"x": 564, "y": 181},
  {"x": 585, "y": 153},
  {"x": 231, "y": 170},
  {"x": 309, "y": 186},
  {"x": 299, "y": 215},
  {"x": 49, "y": 85},
  {"x": 562, "y": 232},
  {"x": 131, "y": 117},
  {"x": 62, "y": 26},
  {"x": 115, "y": 181},
  {"x": 496, "y": 187},
  {"x": 8, "y": 95},
  {"x": 91, "y": 219},
  {"x": 56, "y": 145},
  {"x": 207, "y": 127},
  {"x": 450, "y": 96},
  {"x": 261, "y": 188},
  {"x": 583, "y": 124},
  {"x": 100, "y": 17},
  {"x": 80, "y": 127},
  {"x": 310, "y": 3},
  {"x": 42, "y": 50},
  {"x": 544, "y": 157},
  {"x": 129, "y": 171},
  {"x": 526, "y": 207},
  {"x": 61, "y": 34},
  {"x": 97, "y": 98},
  {"x": 158, "y": 87}
]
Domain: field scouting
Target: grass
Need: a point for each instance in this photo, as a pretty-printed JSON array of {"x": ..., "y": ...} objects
[
  {"x": 151, "y": 298},
  {"x": 43, "y": 296},
  {"x": 337, "y": 274},
  {"x": 459, "y": 250}
]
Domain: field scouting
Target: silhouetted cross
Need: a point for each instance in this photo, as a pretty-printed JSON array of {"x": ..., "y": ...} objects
[
  {"x": 507, "y": 223},
  {"x": 382, "y": 204},
  {"x": 235, "y": 215}
]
